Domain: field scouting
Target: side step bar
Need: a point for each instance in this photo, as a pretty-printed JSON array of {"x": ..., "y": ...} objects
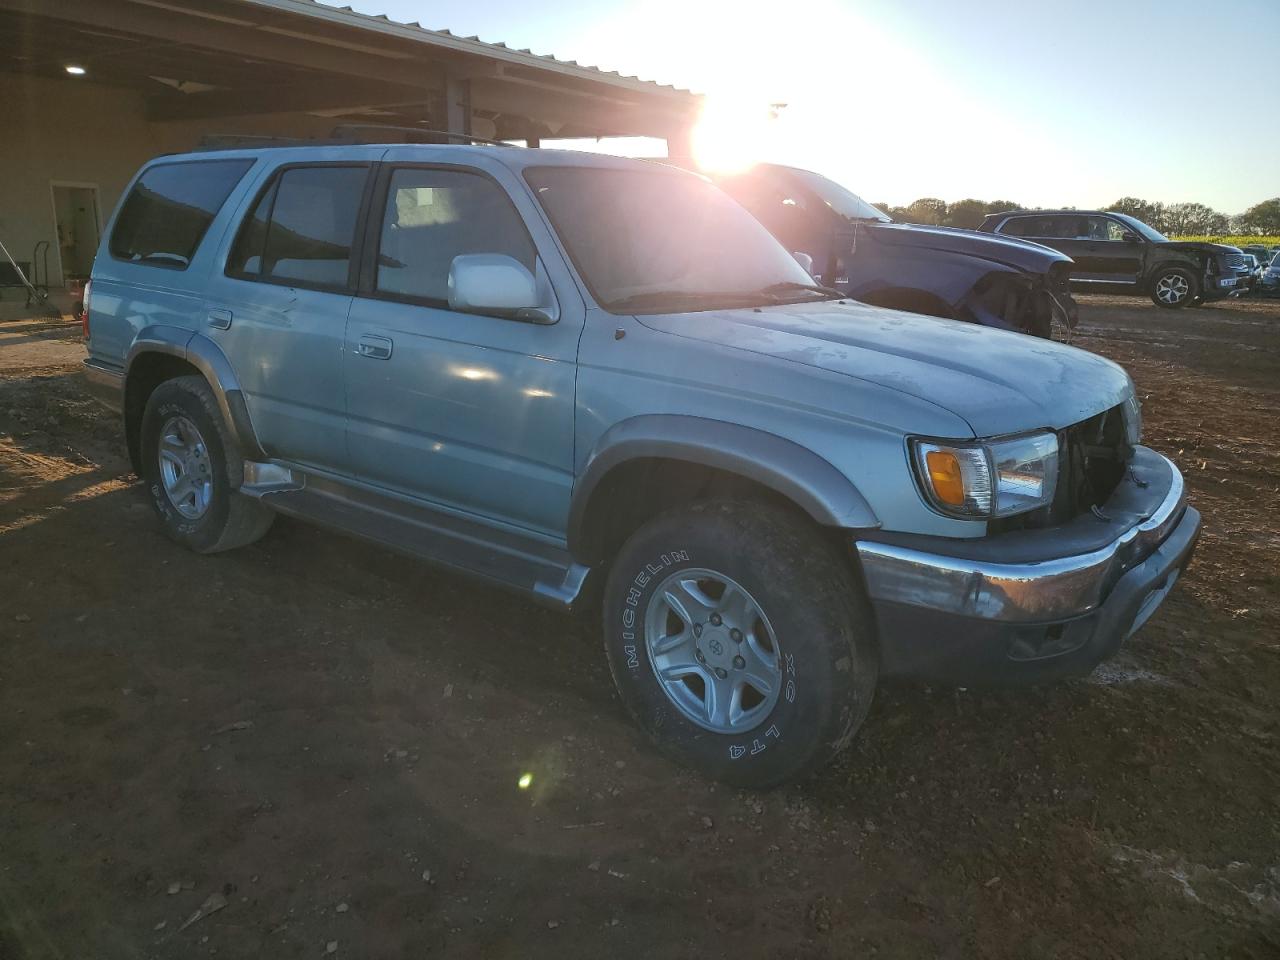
[{"x": 539, "y": 570}]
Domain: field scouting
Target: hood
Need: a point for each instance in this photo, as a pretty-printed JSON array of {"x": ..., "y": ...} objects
[
  {"x": 998, "y": 382},
  {"x": 1199, "y": 246},
  {"x": 1010, "y": 251}
]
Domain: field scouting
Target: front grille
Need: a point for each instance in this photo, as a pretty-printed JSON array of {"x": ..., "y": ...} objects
[
  {"x": 1092, "y": 458},
  {"x": 1233, "y": 259}
]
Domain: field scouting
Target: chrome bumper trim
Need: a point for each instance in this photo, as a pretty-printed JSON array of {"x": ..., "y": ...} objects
[{"x": 1047, "y": 590}]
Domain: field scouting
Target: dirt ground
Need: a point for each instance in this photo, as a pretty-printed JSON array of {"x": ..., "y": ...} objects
[{"x": 319, "y": 742}]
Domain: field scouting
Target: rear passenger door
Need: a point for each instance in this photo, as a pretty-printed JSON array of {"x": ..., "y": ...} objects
[
  {"x": 279, "y": 308},
  {"x": 468, "y": 412}
]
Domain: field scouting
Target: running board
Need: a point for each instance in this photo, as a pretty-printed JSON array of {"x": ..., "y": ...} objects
[{"x": 530, "y": 566}]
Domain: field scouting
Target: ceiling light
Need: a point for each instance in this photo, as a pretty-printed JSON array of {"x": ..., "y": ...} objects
[{"x": 74, "y": 70}]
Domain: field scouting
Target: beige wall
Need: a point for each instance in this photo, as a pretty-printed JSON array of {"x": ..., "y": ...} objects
[
  {"x": 78, "y": 131},
  {"x": 62, "y": 130}
]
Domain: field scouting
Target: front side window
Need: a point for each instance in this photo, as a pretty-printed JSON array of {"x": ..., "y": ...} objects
[
  {"x": 169, "y": 209},
  {"x": 432, "y": 216},
  {"x": 1140, "y": 228},
  {"x": 660, "y": 242},
  {"x": 840, "y": 199},
  {"x": 782, "y": 209},
  {"x": 302, "y": 228},
  {"x": 1104, "y": 228}
]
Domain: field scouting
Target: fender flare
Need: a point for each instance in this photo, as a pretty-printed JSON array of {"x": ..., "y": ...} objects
[
  {"x": 1181, "y": 260},
  {"x": 782, "y": 465},
  {"x": 207, "y": 357}
]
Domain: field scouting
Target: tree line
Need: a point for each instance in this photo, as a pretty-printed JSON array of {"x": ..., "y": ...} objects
[{"x": 1173, "y": 219}]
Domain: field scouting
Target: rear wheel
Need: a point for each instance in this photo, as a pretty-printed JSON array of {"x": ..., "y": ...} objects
[
  {"x": 192, "y": 466},
  {"x": 739, "y": 641},
  {"x": 1174, "y": 287}
]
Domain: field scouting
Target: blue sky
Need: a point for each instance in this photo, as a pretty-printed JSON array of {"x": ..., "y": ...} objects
[{"x": 1074, "y": 103}]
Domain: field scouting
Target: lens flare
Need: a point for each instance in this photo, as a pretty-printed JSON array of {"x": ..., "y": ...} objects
[
  {"x": 525, "y": 781},
  {"x": 731, "y": 134}
]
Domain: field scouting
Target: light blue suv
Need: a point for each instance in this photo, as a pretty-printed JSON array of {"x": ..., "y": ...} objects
[{"x": 602, "y": 383}]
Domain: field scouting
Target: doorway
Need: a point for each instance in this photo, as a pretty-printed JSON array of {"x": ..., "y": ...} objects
[{"x": 75, "y": 216}]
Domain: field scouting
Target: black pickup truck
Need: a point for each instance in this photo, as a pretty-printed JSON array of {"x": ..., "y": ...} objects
[
  {"x": 1116, "y": 253},
  {"x": 939, "y": 271}
]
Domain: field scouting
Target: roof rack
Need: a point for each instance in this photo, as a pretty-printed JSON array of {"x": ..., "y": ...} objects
[
  {"x": 345, "y": 133},
  {"x": 349, "y": 132}
]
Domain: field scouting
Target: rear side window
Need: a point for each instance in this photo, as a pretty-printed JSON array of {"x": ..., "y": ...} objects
[
  {"x": 1016, "y": 227},
  {"x": 167, "y": 212},
  {"x": 432, "y": 216},
  {"x": 302, "y": 228},
  {"x": 1051, "y": 227}
]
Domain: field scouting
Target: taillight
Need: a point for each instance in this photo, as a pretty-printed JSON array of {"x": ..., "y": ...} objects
[{"x": 84, "y": 309}]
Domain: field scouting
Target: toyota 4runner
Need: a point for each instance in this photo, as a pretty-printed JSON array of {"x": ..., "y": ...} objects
[{"x": 604, "y": 384}]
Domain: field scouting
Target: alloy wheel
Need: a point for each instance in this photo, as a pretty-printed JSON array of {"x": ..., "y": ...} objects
[
  {"x": 185, "y": 469},
  {"x": 1172, "y": 288},
  {"x": 713, "y": 651}
]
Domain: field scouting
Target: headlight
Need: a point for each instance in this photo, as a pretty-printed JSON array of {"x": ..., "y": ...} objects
[
  {"x": 995, "y": 479},
  {"x": 1133, "y": 421}
]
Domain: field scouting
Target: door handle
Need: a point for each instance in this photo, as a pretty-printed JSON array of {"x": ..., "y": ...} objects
[
  {"x": 375, "y": 348},
  {"x": 220, "y": 319}
]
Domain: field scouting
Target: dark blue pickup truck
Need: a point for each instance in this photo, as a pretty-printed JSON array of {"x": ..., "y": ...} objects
[{"x": 940, "y": 271}]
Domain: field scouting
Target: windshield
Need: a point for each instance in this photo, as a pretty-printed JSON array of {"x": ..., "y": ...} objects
[
  {"x": 1155, "y": 236},
  {"x": 842, "y": 201},
  {"x": 660, "y": 242}
]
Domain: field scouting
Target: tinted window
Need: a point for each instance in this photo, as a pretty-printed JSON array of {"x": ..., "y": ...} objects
[
  {"x": 1016, "y": 226},
  {"x": 432, "y": 216},
  {"x": 246, "y": 257},
  {"x": 1053, "y": 227},
  {"x": 784, "y": 211},
  {"x": 1102, "y": 228},
  {"x": 167, "y": 212},
  {"x": 313, "y": 224}
]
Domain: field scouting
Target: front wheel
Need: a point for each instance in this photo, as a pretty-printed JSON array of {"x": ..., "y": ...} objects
[
  {"x": 740, "y": 641},
  {"x": 1174, "y": 287}
]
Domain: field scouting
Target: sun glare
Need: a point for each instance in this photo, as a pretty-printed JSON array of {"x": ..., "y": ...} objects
[
  {"x": 731, "y": 135},
  {"x": 866, "y": 106}
]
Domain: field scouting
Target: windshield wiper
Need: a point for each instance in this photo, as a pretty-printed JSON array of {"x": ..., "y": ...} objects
[
  {"x": 773, "y": 290},
  {"x": 671, "y": 299}
]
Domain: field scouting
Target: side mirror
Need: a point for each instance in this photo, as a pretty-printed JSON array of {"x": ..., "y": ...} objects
[
  {"x": 1130, "y": 237},
  {"x": 805, "y": 261},
  {"x": 496, "y": 284}
]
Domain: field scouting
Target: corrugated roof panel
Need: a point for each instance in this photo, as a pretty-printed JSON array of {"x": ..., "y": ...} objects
[{"x": 416, "y": 31}]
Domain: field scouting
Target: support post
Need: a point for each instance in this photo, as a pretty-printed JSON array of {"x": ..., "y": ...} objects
[{"x": 457, "y": 101}]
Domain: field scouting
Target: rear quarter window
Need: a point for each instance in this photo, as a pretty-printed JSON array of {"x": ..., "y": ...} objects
[{"x": 169, "y": 209}]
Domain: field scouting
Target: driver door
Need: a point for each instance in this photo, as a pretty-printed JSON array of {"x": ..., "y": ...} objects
[{"x": 467, "y": 412}]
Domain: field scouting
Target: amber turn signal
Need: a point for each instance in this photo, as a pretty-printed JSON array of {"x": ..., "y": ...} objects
[{"x": 945, "y": 476}]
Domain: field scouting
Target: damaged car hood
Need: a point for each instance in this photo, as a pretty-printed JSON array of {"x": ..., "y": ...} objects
[
  {"x": 998, "y": 382},
  {"x": 1012, "y": 252},
  {"x": 1198, "y": 246}
]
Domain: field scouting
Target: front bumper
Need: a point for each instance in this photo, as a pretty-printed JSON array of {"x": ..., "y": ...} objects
[
  {"x": 1036, "y": 604},
  {"x": 1226, "y": 285}
]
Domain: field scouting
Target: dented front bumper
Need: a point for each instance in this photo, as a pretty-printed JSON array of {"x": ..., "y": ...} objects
[{"x": 1035, "y": 604}]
